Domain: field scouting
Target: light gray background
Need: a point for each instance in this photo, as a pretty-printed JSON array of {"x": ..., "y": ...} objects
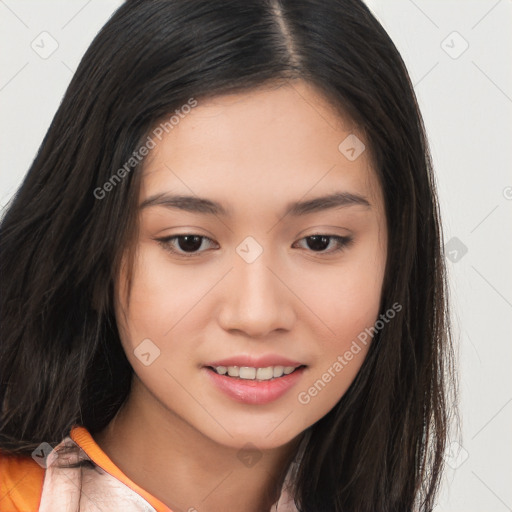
[{"x": 466, "y": 99}]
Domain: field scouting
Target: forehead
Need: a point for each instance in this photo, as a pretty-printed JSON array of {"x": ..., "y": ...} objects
[{"x": 267, "y": 143}]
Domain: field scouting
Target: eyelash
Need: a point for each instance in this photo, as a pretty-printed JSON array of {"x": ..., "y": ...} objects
[{"x": 343, "y": 243}]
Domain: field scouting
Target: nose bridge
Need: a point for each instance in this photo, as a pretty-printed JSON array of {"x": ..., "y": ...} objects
[
  {"x": 257, "y": 282},
  {"x": 256, "y": 301}
]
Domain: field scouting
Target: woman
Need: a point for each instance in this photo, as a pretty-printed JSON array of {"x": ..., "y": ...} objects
[{"x": 223, "y": 276}]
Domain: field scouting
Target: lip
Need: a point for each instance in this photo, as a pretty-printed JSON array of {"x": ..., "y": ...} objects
[
  {"x": 254, "y": 392},
  {"x": 255, "y": 362}
]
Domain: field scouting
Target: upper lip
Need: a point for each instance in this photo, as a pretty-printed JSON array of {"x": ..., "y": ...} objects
[{"x": 255, "y": 362}]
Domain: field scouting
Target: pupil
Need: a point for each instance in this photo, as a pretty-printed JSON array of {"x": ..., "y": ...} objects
[
  {"x": 189, "y": 243},
  {"x": 319, "y": 242}
]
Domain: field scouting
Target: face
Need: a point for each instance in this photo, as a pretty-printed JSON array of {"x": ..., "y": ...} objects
[{"x": 248, "y": 282}]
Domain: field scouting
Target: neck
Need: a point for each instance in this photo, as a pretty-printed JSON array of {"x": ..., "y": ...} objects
[{"x": 186, "y": 470}]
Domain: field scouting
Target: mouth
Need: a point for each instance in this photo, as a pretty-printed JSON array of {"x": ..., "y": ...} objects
[
  {"x": 252, "y": 373},
  {"x": 255, "y": 385}
]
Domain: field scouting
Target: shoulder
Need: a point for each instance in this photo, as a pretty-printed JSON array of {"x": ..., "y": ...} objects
[{"x": 21, "y": 482}]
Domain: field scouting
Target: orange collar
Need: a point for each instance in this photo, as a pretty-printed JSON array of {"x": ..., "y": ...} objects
[{"x": 83, "y": 438}]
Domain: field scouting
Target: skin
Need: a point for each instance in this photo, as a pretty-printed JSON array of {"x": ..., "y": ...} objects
[{"x": 178, "y": 436}]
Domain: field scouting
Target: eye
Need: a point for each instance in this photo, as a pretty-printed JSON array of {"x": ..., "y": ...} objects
[
  {"x": 188, "y": 244},
  {"x": 320, "y": 242}
]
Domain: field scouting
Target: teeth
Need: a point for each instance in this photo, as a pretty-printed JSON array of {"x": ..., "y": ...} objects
[
  {"x": 233, "y": 371},
  {"x": 278, "y": 371},
  {"x": 265, "y": 373},
  {"x": 249, "y": 373}
]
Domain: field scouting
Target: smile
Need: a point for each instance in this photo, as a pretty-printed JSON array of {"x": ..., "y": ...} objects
[
  {"x": 254, "y": 386},
  {"x": 253, "y": 373}
]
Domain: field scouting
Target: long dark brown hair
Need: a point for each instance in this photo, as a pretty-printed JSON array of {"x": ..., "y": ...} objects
[{"x": 61, "y": 361}]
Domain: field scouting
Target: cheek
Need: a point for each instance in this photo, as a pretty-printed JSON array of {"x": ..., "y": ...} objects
[
  {"x": 161, "y": 296},
  {"x": 152, "y": 325},
  {"x": 345, "y": 296},
  {"x": 346, "y": 303}
]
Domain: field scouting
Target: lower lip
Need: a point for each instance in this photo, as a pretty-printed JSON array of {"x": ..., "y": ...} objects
[{"x": 255, "y": 392}]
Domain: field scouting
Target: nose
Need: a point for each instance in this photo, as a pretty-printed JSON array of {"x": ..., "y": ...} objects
[{"x": 256, "y": 299}]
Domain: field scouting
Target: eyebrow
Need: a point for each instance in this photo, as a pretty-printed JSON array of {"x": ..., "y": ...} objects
[{"x": 201, "y": 205}]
